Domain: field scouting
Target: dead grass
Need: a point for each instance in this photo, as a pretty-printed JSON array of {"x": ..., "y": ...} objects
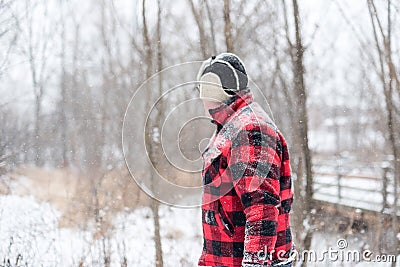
[
  {"x": 86, "y": 198},
  {"x": 80, "y": 198}
]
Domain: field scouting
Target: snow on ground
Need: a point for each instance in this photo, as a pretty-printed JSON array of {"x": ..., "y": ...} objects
[
  {"x": 29, "y": 231},
  {"x": 29, "y": 234}
]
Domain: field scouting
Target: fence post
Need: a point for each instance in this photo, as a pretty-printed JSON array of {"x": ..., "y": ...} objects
[
  {"x": 339, "y": 186},
  {"x": 339, "y": 172},
  {"x": 385, "y": 168}
]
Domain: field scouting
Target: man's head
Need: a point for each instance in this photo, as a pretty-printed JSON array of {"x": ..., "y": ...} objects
[{"x": 220, "y": 77}]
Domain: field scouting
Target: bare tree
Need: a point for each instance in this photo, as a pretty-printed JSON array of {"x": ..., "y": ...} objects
[
  {"x": 388, "y": 79},
  {"x": 63, "y": 87},
  {"x": 198, "y": 15},
  {"x": 212, "y": 30},
  {"x": 303, "y": 189},
  {"x": 8, "y": 25},
  {"x": 36, "y": 51},
  {"x": 228, "y": 27},
  {"x": 151, "y": 143}
]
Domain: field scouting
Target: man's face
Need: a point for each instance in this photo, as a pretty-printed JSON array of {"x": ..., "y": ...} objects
[{"x": 209, "y": 104}]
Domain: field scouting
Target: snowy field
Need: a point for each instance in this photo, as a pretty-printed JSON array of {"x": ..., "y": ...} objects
[{"x": 30, "y": 234}]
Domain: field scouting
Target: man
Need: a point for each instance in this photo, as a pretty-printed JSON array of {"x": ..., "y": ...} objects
[{"x": 247, "y": 193}]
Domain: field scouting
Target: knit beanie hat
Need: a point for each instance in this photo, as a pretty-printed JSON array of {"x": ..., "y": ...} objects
[{"x": 220, "y": 77}]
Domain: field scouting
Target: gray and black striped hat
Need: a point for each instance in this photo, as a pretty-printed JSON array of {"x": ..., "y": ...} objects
[{"x": 220, "y": 77}]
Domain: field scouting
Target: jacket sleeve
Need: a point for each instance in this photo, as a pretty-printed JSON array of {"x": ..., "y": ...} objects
[{"x": 255, "y": 168}]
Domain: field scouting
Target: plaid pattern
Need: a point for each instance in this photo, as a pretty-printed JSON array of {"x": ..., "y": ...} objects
[{"x": 247, "y": 193}]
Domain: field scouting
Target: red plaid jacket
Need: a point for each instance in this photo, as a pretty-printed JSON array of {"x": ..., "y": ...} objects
[{"x": 247, "y": 193}]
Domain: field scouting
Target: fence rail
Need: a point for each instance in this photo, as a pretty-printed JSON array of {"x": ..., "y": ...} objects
[{"x": 359, "y": 191}]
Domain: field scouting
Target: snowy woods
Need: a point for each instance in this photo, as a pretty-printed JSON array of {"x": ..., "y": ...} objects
[{"x": 329, "y": 71}]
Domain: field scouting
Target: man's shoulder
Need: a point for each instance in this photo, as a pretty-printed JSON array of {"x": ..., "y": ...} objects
[{"x": 255, "y": 118}]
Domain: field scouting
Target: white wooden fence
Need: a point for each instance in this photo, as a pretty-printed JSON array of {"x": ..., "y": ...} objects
[{"x": 366, "y": 189}]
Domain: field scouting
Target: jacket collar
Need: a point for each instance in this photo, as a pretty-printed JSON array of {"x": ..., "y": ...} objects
[{"x": 223, "y": 113}]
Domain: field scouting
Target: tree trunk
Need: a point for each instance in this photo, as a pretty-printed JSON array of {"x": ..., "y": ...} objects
[
  {"x": 198, "y": 16},
  {"x": 388, "y": 93},
  {"x": 228, "y": 27},
  {"x": 150, "y": 142},
  {"x": 296, "y": 151},
  {"x": 212, "y": 31},
  {"x": 301, "y": 96},
  {"x": 63, "y": 86}
]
